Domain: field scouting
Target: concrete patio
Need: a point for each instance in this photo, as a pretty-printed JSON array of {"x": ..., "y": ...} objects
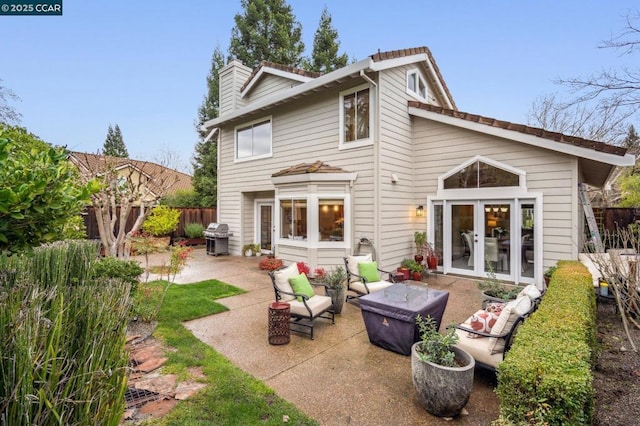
[{"x": 339, "y": 378}]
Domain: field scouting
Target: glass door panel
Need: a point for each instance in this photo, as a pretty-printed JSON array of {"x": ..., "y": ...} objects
[
  {"x": 463, "y": 237},
  {"x": 497, "y": 233},
  {"x": 528, "y": 241},
  {"x": 266, "y": 227}
]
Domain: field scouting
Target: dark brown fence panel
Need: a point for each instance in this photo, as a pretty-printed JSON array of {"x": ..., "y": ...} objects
[
  {"x": 610, "y": 218},
  {"x": 189, "y": 215}
]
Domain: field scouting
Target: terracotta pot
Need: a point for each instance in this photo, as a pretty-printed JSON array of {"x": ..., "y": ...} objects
[
  {"x": 405, "y": 273},
  {"x": 416, "y": 276},
  {"x": 432, "y": 262},
  {"x": 418, "y": 258}
]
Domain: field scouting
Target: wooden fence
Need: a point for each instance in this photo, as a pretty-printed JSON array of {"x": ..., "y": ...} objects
[
  {"x": 189, "y": 215},
  {"x": 609, "y": 218}
]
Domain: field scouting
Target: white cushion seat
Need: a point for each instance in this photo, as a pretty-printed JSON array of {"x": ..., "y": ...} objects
[
  {"x": 317, "y": 304},
  {"x": 281, "y": 277},
  {"x": 478, "y": 347},
  {"x": 359, "y": 287}
]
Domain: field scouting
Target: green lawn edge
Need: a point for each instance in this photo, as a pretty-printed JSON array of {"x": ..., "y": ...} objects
[{"x": 232, "y": 396}]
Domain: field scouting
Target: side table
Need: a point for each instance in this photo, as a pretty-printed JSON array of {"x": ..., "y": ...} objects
[{"x": 279, "y": 316}]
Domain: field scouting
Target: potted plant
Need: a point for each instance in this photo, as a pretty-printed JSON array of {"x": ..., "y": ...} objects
[
  {"x": 270, "y": 263},
  {"x": 334, "y": 280},
  {"x": 194, "y": 233},
  {"x": 251, "y": 249},
  {"x": 548, "y": 273},
  {"x": 415, "y": 268},
  {"x": 432, "y": 256},
  {"x": 419, "y": 238},
  {"x": 495, "y": 291},
  {"x": 442, "y": 372},
  {"x": 162, "y": 221},
  {"x": 404, "y": 269}
]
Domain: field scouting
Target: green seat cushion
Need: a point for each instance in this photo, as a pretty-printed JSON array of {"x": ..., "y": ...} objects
[
  {"x": 300, "y": 285},
  {"x": 369, "y": 270}
]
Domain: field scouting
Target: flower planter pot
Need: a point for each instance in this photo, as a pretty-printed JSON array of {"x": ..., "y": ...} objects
[
  {"x": 405, "y": 273},
  {"x": 432, "y": 262},
  {"x": 337, "y": 299},
  {"x": 443, "y": 391},
  {"x": 418, "y": 258},
  {"x": 416, "y": 276}
]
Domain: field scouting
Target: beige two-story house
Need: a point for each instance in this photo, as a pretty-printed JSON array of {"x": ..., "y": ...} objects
[{"x": 310, "y": 164}]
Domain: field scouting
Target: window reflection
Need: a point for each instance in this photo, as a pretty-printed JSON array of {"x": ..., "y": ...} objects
[{"x": 293, "y": 219}]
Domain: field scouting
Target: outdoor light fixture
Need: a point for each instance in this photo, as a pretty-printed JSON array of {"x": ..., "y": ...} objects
[{"x": 420, "y": 211}]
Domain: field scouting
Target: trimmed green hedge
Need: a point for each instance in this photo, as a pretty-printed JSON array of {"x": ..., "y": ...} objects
[{"x": 546, "y": 376}]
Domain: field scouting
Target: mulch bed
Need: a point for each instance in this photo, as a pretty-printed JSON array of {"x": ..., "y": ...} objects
[{"x": 617, "y": 372}]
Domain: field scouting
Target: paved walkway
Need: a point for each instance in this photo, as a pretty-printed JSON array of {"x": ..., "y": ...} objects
[{"x": 339, "y": 378}]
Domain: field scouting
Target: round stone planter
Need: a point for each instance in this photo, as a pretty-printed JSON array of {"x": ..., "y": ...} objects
[{"x": 443, "y": 391}]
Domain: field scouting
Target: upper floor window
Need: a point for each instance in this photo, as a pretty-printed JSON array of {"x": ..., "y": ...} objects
[
  {"x": 355, "y": 115},
  {"x": 254, "y": 139},
  {"x": 416, "y": 85}
]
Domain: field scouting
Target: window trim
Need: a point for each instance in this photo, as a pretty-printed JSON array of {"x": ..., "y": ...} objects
[
  {"x": 246, "y": 125},
  {"x": 313, "y": 220},
  {"x": 358, "y": 142},
  {"x": 419, "y": 79}
]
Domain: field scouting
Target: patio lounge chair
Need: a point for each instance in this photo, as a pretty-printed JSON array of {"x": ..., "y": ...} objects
[
  {"x": 488, "y": 348},
  {"x": 359, "y": 283},
  {"x": 304, "y": 309}
]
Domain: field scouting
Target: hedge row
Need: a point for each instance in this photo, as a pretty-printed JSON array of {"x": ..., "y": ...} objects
[{"x": 546, "y": 376}]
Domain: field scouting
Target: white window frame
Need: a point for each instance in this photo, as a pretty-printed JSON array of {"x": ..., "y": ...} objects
[
  {"x": 358, "y": 142},
  {"x": 244, "y": 126},
  {"x": 313, "y": 228},
  {"x": 419, "y": 80}
]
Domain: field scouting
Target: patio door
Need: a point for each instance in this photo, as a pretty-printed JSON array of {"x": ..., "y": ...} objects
[
  {"x": 265, "y": 227},
  {"x": 480, "y": 238}
]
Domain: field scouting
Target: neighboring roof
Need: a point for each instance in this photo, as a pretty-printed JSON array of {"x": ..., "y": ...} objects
[
  {"x": 377, "y": 62},
  {"x": 94, "y": 162},
  {"x": 317, "y": 167}
]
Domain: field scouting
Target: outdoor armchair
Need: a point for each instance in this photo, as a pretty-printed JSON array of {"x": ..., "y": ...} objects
[
  {"x": 363, "y": 276},
  {"x": 304, "y": 308}
]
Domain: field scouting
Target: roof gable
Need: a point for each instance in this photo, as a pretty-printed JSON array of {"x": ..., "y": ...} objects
[{"x": 266, "y": 68}]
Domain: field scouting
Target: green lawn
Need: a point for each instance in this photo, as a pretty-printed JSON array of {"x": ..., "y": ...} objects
[{"x": 232, "y": 396}]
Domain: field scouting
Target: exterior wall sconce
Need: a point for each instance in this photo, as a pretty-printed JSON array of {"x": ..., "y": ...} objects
[{"x": 420, "y": 211}]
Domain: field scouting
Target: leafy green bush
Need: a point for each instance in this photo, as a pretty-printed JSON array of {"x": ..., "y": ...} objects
[
  {"x": 194, "y": 230},
  {"x": 111, "y": 267},
  {"x": 546, "y": 376},
  {"x": 162, "y": 221},
  {"x": 62, "y": 357}
]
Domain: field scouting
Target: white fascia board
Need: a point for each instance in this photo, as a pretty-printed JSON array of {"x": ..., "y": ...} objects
[
  {"x": 290, "y": 93},
  {"x": 578, "y": 151},
  {"x": 315, "y": 177},
  {"x": 273, "y": 71},
  {"x": 407, "y": 60}
]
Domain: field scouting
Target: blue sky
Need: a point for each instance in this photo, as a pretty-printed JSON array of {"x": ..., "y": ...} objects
[{"x": 142, "y": 64}]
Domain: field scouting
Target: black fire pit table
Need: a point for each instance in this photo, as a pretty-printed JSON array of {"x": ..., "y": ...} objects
[{"x": 390, "y": 314}]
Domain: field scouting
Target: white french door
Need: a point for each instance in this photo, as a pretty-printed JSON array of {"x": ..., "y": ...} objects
[{"x": 480, "y": 237}]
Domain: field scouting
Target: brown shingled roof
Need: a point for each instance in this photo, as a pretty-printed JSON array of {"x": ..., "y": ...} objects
[
  {"x": 94, "y": 162},
  {"x": 521, "y": 128},
  {"x": 303, "y": 168},
  {"x": 292, "y": 70},
  {"x": 393, "y": 54}
]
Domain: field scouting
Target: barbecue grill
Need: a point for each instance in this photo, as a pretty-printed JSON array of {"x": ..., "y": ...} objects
[{"x": 217, "y": 236}]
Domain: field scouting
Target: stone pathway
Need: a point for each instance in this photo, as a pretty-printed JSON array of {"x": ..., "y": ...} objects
[{"x": 150, "y": 393}]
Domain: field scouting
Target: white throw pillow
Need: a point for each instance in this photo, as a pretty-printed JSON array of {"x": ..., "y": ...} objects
[
  {"x": 282, "y": 280},
  {"x": 532, "y": 291},
  {"x": 352, "y": 264}
]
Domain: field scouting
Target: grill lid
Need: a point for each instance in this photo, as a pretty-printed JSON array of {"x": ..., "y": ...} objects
[{"x": 217, "y": 230}]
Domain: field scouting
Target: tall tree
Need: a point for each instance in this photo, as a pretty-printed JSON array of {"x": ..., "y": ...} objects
[
  {"x": 267, "y": 31},
  {"x": 205, "y": 159},
  {"x": 114, "y": 143},
  {"x": 632, "y": 140},
  {"x": 324, "y": 57},
  {"x": 8, "y": 114}
]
